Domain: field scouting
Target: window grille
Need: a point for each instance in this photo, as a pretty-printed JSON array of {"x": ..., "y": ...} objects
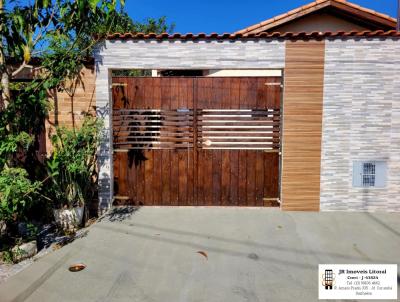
[{"x": 368, "y": 176}]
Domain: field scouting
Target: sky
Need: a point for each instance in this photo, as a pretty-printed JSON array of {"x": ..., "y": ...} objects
[{"x": 228, "y": 16}]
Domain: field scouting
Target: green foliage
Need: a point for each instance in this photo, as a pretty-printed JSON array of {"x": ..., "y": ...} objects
[
  {"x": 152, "y": 25},
  {"x": 7, "y": 257},
  {"x": 16, "y": 194},
  {"x": 61, "y": 33},
  {"x": 72, "y": 166},
  {"x": 21, "y": 123},
  {"x": 32, "y": 231},
  {"x": 10, "y": 143},
  {"x": 131, "y": 73}
]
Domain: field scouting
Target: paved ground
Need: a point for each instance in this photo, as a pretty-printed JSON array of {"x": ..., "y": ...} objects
[{"x": 253, "y": 255}]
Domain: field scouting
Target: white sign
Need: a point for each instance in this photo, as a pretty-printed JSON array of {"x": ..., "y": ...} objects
[{"x": 357, "y": 281}]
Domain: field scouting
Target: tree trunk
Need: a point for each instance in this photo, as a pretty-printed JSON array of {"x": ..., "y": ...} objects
[{"x": 5, "y": 78}]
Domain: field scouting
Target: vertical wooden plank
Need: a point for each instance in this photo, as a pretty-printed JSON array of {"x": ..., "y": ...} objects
[
  {"x": 182, "y": 177},
  {"x": 200, "y": 172},
  {"x": 234, "y": 177},
  {"x": 157, "y": 177},
  {"x": 218, "y": 93},
  {"x": 245, "y": 103},
  {"x": 117, "y": 176},
  {"x": 141, "y": 183},
  {"x": 138, "y": 92},
  {"x": 251, "y": 178},
  {"x": 174, "y": 93},
  {"x": 193, "y": 104},
  {"x": 123, "y": 175},
  {"x": 148, "y": 93},
  {"x": 118, "y": 95},
  {"x": 144, "y": 99},
  {"x": 216, "y": 177},
  {"x": 208, "y": 177},
  {"x": 157, "y": 155},
  {"x": 242, "y": 194},
  {"x": 275, "y": 174},
  {"x": 166, "y": 177},
  {"x": 148, "y": 178},
  {"x": 225, "y": 177},
  {"x": 132, "y": 178},
  {"x": 165, "y": 93},
  {"x": 226, "y": 91},
  {"x": 157, "y": 97},
  {"x": 174, "y": 178},
  {"x": 262, "y": 93},
  {"x": 277, "y": 93},
  {"x": 190, "y": 93},
  {"x": 269, "y": 170},
  {"x": 252, "y": 92},
  {"x": 129, "y": 90},
  {"x": 182, "y": 91},
  {"x": 235, "y": 93},
  {"x": 204, "y": 93},
  {"x": 190, "y": 178},
  {"x": 259, "y": 179}
]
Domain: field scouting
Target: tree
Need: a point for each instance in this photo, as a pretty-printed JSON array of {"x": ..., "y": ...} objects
[{"x": 61, "y": 34}]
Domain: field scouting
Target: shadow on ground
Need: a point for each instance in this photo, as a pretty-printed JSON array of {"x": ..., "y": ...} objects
[{"x": 119, "y": 214}]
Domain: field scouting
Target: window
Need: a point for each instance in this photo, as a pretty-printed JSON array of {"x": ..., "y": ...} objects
[{"x": 367, "y": 174}]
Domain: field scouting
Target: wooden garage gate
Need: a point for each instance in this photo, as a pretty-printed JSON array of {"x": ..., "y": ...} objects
[{"x": 201, "y": 141}]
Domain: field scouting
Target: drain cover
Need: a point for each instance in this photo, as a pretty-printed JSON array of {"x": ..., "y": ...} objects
[{"x": 77, "y": 267}]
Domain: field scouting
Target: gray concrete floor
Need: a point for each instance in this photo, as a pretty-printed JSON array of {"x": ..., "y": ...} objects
[{"x": 253, "y": 255}]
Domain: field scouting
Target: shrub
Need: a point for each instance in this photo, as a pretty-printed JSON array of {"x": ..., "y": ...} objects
[
  {"x": 72, "y": 165},
  {"x": 16, "y": 194}
]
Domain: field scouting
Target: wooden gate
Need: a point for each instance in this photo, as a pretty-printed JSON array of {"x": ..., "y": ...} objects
[{"x": 203, "y": 141}]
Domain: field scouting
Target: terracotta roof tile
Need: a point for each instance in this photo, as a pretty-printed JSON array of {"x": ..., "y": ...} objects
[{"x": 238, "y": 36}]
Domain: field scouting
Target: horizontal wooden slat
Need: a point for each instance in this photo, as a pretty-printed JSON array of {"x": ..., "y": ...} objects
[
  {"x": 149, "y": 133},
  {"x": 182, "y": 111},
  {"x": 158, "y": 127},
  {"x": 276, "y": 150},
  {"x": 147, "y": 129},
  {"x": 236, "y": 129},
  {"x": 160, "y": 148},
  {"x": 274, "y": 131},
  {"x": 152, "y": 123}
]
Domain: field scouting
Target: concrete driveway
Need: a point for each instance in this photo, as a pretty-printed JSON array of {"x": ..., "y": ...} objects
[{"x": 253, "y": 255}]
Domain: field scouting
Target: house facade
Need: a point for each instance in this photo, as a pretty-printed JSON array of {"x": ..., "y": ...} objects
[
  {"x": 324, "y": 75},
  {"x": 340, "y": 107}
]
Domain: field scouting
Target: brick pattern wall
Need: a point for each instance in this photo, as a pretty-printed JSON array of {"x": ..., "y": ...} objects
[
  {"x": 361, "y": 121},
  {"x": 174, "y": 54},
  {"x": 69, "y": 107}
]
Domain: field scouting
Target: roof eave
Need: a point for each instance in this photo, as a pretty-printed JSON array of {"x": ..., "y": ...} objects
[{"x": 302, "y": 11}]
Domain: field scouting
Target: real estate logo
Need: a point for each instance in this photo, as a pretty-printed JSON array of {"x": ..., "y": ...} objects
[
  {"x": 357, "y": 281},
  {"x": 328, "y": 279}
]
